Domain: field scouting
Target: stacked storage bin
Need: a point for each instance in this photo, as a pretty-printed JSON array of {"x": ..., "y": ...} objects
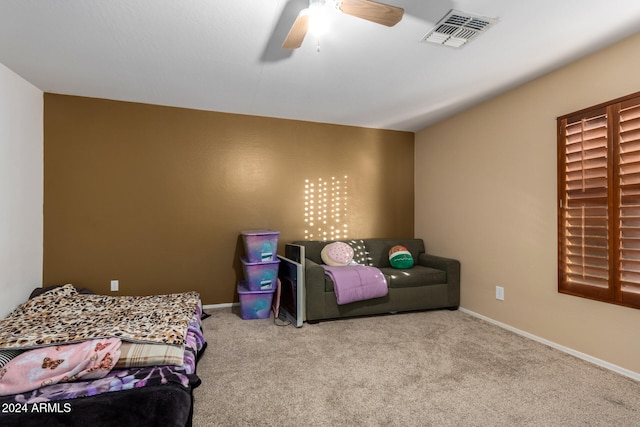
[{"x": 260, "y": 273}]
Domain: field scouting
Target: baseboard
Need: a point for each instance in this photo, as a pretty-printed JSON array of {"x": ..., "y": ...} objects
[
  {"x": 583, "y": 356},
  {"x": 225, "y": 305}
]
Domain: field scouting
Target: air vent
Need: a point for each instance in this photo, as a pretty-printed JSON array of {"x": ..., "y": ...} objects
[{"x": 458, "y": 28}]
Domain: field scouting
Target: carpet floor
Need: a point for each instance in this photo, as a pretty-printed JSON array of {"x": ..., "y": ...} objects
[{"x": 433, "y": 368}]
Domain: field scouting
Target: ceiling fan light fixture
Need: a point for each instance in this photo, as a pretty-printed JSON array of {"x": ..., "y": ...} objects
[
  {"x": 369, "y": 10},
  {"x": 318, "y": 18}
]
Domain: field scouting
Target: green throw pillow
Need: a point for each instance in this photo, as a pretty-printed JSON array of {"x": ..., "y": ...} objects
[{"x": 400, "y": 257}]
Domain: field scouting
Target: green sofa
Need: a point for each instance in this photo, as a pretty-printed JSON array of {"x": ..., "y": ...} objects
[{"x": 433, "y": 282}]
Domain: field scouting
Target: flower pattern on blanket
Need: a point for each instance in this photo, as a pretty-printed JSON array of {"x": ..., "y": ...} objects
[{"x": 63, "y": 363}]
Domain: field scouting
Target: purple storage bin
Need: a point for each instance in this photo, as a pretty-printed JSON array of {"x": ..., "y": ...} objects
[
  {"x": 254, "y": 304},
  {"x": 260, "y": 276},
  {"x": 261, "y": 245}
]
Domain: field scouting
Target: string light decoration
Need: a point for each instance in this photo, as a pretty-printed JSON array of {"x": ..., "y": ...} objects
[{"x": 325, "y": 208}]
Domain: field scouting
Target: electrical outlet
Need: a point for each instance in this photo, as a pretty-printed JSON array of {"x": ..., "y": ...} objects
[
  {"x": 114, "y": 285},
  {"x": 500, "y": 293}
]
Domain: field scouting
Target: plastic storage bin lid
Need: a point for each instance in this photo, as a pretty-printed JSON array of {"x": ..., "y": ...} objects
[
  {"x": 246, "y": 262},
  {"x": 259, "y": 232},
  {"x": 243, "y": 288}
]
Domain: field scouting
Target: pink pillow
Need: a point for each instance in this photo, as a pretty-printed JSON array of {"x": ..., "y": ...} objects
[{"x": 337, "y": 254}]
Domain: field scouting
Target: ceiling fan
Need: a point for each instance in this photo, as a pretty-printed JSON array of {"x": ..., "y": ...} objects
[{"x": 379, "y": 13}]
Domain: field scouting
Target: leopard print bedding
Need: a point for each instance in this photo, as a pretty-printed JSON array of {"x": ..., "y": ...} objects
[{"x": 63, "y": 315}]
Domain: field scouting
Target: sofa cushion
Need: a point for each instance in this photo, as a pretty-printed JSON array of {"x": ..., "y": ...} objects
[
  {"x": 360, "y": 253},
  {"x": 416, "y": 276}
]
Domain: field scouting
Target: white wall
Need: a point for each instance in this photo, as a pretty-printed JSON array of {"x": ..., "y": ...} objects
[
  {"x": 21, "y": 189},
  {"x": 486, "y": 193}
]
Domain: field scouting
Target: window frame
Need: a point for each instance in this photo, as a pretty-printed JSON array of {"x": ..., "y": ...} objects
[{"x": 615, "y": 291}]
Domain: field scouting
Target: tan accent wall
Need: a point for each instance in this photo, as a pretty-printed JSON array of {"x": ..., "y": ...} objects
[
  {"x": 156, "y": 196},
  {"x": 486, "y": 194}
]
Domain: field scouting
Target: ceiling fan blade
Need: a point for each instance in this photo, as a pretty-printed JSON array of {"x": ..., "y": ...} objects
[
  {"x": 379, "y": 13},
  {"x": 297, "y": 32}
]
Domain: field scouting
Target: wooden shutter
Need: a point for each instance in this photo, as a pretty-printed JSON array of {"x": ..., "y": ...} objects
[
  {"x": 599, "y": 212},
  {"x": 584, "y": 230},
  {"x": 629, "y": 196}
]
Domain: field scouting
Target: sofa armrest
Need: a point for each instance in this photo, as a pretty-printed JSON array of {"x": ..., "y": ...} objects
[
  {"x": 451, "y": 266},
  {"x": 314, "y": 289},
  {"x": 313, "y": 274}
]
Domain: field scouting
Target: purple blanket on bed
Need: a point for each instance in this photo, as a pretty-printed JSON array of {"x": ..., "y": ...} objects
[{"x": 356, "y": 282}]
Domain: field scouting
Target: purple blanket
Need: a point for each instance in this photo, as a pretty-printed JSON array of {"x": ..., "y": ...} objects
[{"x": 356, "y": 282}]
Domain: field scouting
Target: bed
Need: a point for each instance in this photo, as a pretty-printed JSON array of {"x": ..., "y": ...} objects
[{"x": 70, "y": 358}]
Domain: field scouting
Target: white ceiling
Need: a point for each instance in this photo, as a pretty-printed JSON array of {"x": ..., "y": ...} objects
[{"x": 225, "y": 55}]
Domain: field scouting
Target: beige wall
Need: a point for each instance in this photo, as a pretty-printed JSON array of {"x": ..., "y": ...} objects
[
  {"x": 486, "y": 194},
  {"x": 156, "y": 196}
]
